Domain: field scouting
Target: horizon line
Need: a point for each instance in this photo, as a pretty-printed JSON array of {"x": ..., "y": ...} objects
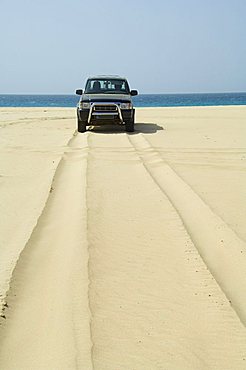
[{"x": 162, "y": 93}]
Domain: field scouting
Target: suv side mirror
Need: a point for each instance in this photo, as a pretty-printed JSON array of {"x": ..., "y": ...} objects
[
  {"x": 134, "y": 92},
  {"x": 79, "y": 92}
]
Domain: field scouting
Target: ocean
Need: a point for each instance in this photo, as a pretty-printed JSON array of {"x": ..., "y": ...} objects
[{"x": 142, "y": 100}]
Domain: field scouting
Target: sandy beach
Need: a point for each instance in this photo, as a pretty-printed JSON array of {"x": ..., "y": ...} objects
[{"x": 123, "y": 251}]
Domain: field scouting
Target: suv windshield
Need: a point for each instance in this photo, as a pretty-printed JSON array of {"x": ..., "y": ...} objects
[{"x": 107, "y": 86}]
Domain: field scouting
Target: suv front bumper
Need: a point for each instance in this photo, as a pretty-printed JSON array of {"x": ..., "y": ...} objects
[{"x": 117, "y": 115}]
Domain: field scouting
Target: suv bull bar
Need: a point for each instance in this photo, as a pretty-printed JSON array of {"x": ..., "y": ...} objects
[{"x": 92, "y": 111}]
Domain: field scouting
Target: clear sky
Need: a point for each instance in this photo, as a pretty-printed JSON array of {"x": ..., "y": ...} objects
[{"x": 162, "y": 46}]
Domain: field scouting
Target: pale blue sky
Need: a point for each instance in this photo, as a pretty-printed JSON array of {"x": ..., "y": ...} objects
[{"x": 51, "y": 46}]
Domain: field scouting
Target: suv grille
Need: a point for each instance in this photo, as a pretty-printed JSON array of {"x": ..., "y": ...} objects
[{"x": 103, "y": 108}]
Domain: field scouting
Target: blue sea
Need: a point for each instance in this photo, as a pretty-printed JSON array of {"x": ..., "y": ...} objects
[{"x": 142, "y": 100}]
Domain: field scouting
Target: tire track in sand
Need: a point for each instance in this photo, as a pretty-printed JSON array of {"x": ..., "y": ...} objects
[
  {"x": 47, "y": 323},
  {"x": 220, "y": 248},
  {"x": 107, "y": 285},
  {"x": 154, "y": 303}
]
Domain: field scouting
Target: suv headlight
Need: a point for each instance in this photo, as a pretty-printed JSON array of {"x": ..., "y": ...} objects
[
  {"x": 126, "y": 105},
  {"x": 84, "y": 105}
]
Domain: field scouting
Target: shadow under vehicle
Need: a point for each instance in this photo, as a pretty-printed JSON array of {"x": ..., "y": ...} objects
[{"x": 145, "y": 128}]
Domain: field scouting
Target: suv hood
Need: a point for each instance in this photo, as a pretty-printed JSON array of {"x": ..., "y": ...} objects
[{"x": 106, "y": 98}]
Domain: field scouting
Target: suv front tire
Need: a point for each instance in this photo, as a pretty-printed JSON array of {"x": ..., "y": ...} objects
[
  {"x": 81, "y": 124},
  {"x": 130, "y": 123}
]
